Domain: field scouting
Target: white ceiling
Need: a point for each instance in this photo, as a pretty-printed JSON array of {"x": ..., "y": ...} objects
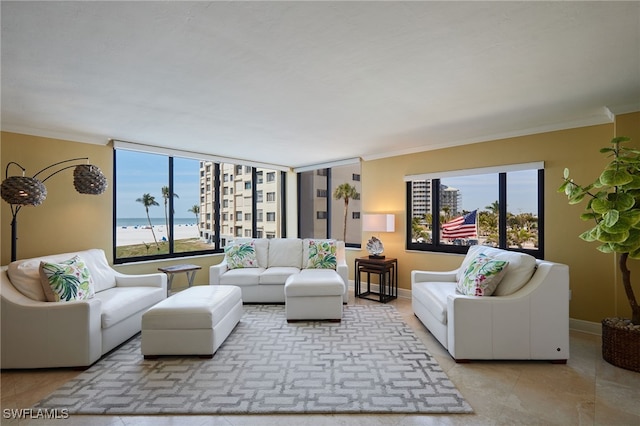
[{"x": 299, "y": 83}]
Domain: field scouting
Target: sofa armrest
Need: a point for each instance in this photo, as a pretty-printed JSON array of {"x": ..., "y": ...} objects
[
  {"x": 428, "y": 276},
  {"x": 48, "y": 334},
  {"x": 141, "y": 280},
  {"x": 216, "y": 271}
]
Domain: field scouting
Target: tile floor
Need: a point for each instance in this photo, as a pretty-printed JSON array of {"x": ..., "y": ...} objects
[{"x": 585, "y": 391}]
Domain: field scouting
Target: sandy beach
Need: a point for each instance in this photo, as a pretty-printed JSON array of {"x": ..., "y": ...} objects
[{"x": 130, "y": 235}]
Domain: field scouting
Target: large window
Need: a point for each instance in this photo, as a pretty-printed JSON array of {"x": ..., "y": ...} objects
[
  {"x": 170, "y": 206},
  {"x": 499, "y": 207},
  {"x": 321, "y": 215}
]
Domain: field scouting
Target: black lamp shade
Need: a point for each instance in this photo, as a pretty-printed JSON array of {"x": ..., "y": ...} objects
[
  {"x": 23, "y": 191},
  {"x": 88, "y": 179}
]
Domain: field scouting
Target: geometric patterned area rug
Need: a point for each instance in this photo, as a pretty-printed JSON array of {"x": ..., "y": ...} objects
[{"x": 371, "y": 362}]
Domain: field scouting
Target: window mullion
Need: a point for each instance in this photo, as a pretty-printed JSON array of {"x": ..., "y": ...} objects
[
  {"x": 171, "y": 209},
  {"x": 502, "y": 210},
  {"x": 435, "y": 212}
]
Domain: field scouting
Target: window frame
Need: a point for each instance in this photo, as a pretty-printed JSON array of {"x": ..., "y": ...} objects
[
  {"x": 219, "y": 178},
  {"x": 502, "y": 172}
]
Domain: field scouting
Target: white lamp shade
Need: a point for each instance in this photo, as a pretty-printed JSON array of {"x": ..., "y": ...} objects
[{"x": 378, "y": 223}]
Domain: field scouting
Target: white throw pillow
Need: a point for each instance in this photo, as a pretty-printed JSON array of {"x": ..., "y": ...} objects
[
  {"x": 241, "y": 255},
  {"x": 481, "y": 276},
  {"x": 521, "y": 267},
  {"x": 66, "y": 281},
  {"x": 320, "y": 254}
]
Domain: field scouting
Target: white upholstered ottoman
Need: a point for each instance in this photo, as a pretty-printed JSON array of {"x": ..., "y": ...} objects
[
  {"x": 195, "y": 321},
  {"x": 314, "y": 294}
]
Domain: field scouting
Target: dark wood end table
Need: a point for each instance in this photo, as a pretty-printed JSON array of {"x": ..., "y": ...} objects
[{"x": 387, "y": 271}]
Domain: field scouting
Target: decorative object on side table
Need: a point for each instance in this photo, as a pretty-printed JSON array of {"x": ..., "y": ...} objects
[
  {"x": 30, "y": 191},
  {"x": 377, "y": 223},
  {"x": 614, "y": 205}
]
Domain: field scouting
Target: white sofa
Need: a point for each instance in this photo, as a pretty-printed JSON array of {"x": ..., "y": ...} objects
[
  {"x": 526, "y": 318},
  {"x": 41, "y": 334},
  {"x": 277, "y": 260}
]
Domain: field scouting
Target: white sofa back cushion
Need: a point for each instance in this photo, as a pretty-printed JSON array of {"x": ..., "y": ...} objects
[
  {"x": 519, "y": 271},
  {"x": 25, "y": 274},
  {"x": 285, "y": 252}
]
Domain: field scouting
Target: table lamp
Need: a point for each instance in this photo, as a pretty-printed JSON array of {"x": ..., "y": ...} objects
[{"x": 377, "y": 223}]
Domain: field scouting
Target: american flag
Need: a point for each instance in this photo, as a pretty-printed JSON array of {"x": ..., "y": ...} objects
[{"x": 461, "y": 227}]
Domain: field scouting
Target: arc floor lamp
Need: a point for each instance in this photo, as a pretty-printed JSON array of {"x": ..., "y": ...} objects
[{"x": 23, "y": 190}]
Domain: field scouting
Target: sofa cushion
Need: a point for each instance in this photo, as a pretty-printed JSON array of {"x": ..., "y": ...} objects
[
  {"x": 25, "y": 274},
  {"x": 319, "y": 254},
  {"x": 241, "y": 255},
  {"x": 521, "y": 267},
  {"x": 277, "y": 274},
  {"x": 120, "y": 303},
  {"x": 242, "y": 276},
  {"x": 66, "y": 281},
  {"x": 433, "y": 296},
  {"x": 482, "y": 276},
  {"x": 285, "y": 252}
]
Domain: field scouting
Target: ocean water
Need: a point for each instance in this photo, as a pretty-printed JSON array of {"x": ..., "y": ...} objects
[{"x": 142, "y": 221}]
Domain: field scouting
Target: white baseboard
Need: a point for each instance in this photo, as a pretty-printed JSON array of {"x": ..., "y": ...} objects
[
  {"x": 585, "y": 326},
  {"x": 574, "y": 324}
]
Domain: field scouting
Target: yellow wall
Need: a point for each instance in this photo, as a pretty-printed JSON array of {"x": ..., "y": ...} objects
[{"x": 68, "y": 221}]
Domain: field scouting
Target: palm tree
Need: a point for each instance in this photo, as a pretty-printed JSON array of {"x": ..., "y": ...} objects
[
  {"x": 166, "y": 195},
  {"x": 493, "y": 207},
  {"x": 345, "y": 192},
  {"x": 195, "y": 209},
  {"x": 147, "y": 201}
]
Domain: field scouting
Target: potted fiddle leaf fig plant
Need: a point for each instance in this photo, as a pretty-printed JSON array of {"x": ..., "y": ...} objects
[{"x": 613, "y": 205}]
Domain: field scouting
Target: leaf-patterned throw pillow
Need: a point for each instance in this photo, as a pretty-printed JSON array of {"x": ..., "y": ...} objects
[
  {"x": 322, "y": 254},
  {"x": 241, "y": 255},
  {"x": 482, "y": 276},
  {"x": 66, "y": 281}
]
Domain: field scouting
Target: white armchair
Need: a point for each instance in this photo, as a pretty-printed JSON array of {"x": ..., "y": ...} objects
[
  {"x": 41, "y": 334},
  {"x": 527, "y": 318}
]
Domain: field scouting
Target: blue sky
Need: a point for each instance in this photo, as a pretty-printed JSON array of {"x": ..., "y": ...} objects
[
  {"x": 480, "y": 191},
  {"x": 139, "y": 173}
]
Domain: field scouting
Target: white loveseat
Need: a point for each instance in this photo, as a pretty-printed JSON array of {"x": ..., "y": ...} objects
[
  {"x": 527, "y": 317},
  {"x": 277, "y": 260},
  {"x": 41, "y": 334}
]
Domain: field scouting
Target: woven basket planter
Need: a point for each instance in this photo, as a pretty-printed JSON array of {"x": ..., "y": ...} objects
[{"x": 621, "y": 346}]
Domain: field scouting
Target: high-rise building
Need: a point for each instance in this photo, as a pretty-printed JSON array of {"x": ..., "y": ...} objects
[{"x": 236, "y": 189}]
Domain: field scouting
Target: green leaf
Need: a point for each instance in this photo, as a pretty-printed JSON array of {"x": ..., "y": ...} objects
[
  {"x": 588, "y": 236},
  {"x": 611, "y": 218},
  {"x": 620, "y": 139},
  {"x": 605, "y": 150},
  {"x": 615, "y": 177},
  {"x": 600, "y": 206},
  {"x": 634, "y": 184},
  {"x": 577, "y": 197},
  {"x": 635, "y": 254},
  {"x": 632, "y": 216},
  {"x": 566, "y": 173},
  {"x": 605, "y": 248},
  {"x": 562, "y": 187},
  {"x": 621, "y": 201},
  {"x": 610, "y": 237},
  {"x": 589, "y": 216}
]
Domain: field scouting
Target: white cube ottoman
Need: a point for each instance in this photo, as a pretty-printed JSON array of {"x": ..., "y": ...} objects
[
  {"x": 314, "y": 294},
  {"x": 195, "y": 321}
]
